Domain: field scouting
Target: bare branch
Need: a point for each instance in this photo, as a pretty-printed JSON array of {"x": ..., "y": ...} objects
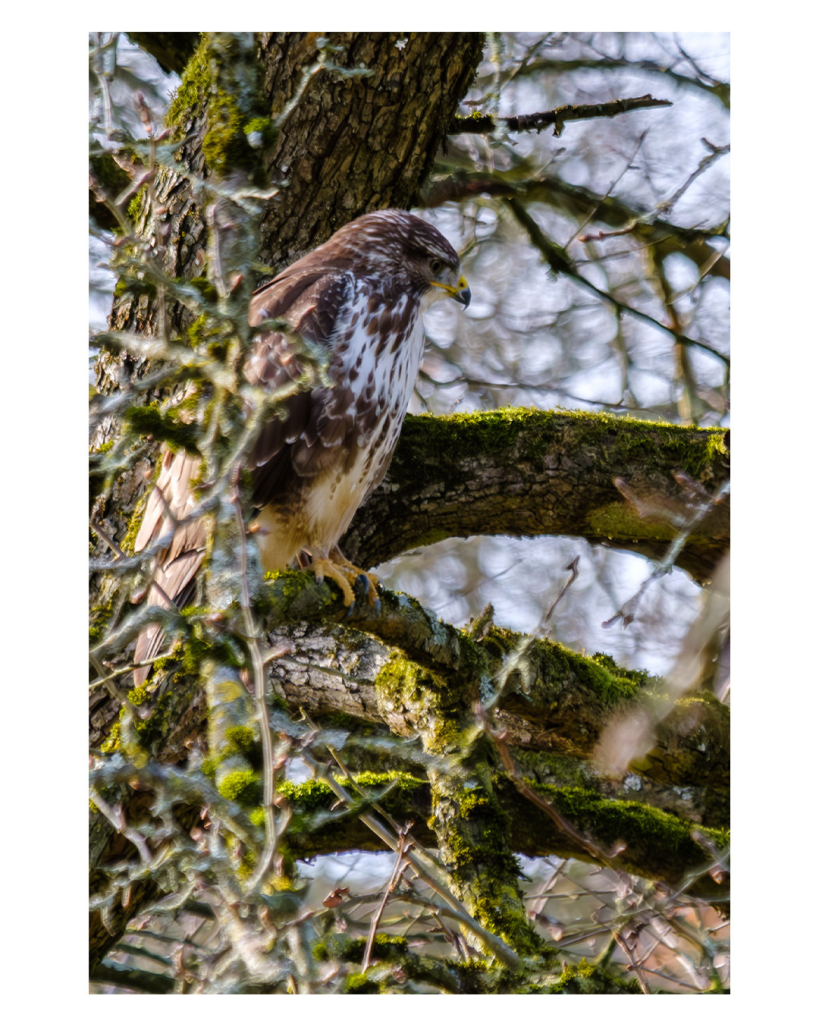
[{"x": 485, "y": 124}]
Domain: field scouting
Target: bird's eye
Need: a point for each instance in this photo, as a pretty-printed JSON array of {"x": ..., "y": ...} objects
[{"x": 436, "y": 266}]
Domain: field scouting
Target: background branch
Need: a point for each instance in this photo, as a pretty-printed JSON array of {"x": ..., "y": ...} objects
[{"x": 485, "y": 124}]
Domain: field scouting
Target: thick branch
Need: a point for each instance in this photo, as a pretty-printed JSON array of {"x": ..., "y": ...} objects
[
  {"x": 526, "y": 473},
  {"x": 554, "y": 702},
  {"x": 657, "y": 845}
]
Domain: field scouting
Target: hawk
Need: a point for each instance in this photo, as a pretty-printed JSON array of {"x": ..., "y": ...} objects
[{"x": 360, "y": 296}]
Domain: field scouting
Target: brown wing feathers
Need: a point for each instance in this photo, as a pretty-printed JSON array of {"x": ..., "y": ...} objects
[{"x": 309, "y": 298}]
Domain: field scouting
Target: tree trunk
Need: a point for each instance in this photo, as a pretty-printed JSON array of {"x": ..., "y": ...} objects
[{"x": 342, "y": 143}]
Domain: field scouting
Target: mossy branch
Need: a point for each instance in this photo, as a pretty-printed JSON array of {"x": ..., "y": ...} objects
[
  {"x": 655, "y": 844},
  {"x": 529, "y": 473},
  {"x": 554, "y": 704}
]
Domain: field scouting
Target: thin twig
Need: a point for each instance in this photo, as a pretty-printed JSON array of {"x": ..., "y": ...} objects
[
  {"x": 560, "y": 262},
  {"x": 565, "y": 826},
  {"x": 396, "y": 874},
  {"x": 704, "y": 164},
  {"x": 272, "y": 835},
  {"x": 425, "y": 870},
  {"x": 621, "y": 942},
  {"x": 112, "y": 544},
  {"x": 516, "y": 657}
]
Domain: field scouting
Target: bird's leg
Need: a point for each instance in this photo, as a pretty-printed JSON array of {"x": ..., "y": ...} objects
[{"x": 345, "y": 574}]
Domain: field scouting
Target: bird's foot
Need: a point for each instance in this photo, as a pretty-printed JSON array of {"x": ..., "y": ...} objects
[{"x": 345, "y": 574}]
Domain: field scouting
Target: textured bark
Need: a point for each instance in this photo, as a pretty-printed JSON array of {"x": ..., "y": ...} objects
[
  {"x": 659, "y": 846},
  {"x": 554, "y": 708},
  {"x": 353, "y": 145},
  {"x": 349, "y": 146},
  {"x": 554, "y": 712}
]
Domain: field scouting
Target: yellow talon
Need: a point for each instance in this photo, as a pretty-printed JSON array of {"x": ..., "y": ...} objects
[{"x": 344, "y": 573}]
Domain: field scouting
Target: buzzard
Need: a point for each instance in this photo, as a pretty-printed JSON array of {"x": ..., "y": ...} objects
[{"x": 360, "y": 296}]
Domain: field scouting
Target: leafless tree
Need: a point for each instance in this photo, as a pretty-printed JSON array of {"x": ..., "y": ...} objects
[{"x": 281, "y": 730}]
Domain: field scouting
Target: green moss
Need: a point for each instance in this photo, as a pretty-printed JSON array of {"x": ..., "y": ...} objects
[
  {"x": 137, "y": 203},
  {"x": 311, "y": 795},
  {"x": 149, "y": 420},
  {"x": 225, "y": 144},
  {"x": 231, "y": 135},
  {"x": 261, "y": 132},
  {"x": 360, "y": 985},
  {"x": 541, "y": 765},
  {"x": 98, "y": 618},
  {"x": 208, "y": 292},
  {"x": 552, "y": 668},
  {"x": 420, "y": 695},
  {"x": 609, "y": 687},
  {"x": 241, "y": 738},
  {"x": 636, "y": 676},
  {"x": 135, "y": 287},
  {"x": 112, "y": 741},
  {"x": 152, "y": 730},
  {"x": 347, "y": 947},
  {"x": 431, "y": 537},
  {"x": 314, "y": 795},
  {"x": 618, "y": 440},
  {"x": 134, "y": 523},
  {"x": 473, "y": 434},
  {"x": 202, "y": 644},
  {"x": 473, "y": 830},
  {"x": 190, "y": 97},
  {"x": 591, "y": 979},
  {"x": 138, "y": 695},
  {"x": 470, "y": 824},
  {"x": 243, "y": 786},
  {"x": 639, "y": 825},
  {"x": 286, "y": 593},
  {"x": 194, "y": 611}
]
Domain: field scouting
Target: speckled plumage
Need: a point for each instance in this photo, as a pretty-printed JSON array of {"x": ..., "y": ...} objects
[{"x": 360, "y": 295}]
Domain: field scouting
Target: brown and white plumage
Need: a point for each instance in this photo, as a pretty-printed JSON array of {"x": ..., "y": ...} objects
[{"x": 360, "y": 295}]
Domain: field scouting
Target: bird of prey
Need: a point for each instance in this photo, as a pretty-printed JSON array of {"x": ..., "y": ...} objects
[{"x": 360, "y": 296}]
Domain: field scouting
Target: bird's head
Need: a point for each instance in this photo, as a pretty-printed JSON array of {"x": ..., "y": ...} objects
[{"x": 398, "y": 245}]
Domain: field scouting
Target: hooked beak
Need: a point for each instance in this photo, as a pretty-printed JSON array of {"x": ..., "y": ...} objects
[
  {"x": 459, "y": 292},
  {"x": 463, "y": 294}
]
